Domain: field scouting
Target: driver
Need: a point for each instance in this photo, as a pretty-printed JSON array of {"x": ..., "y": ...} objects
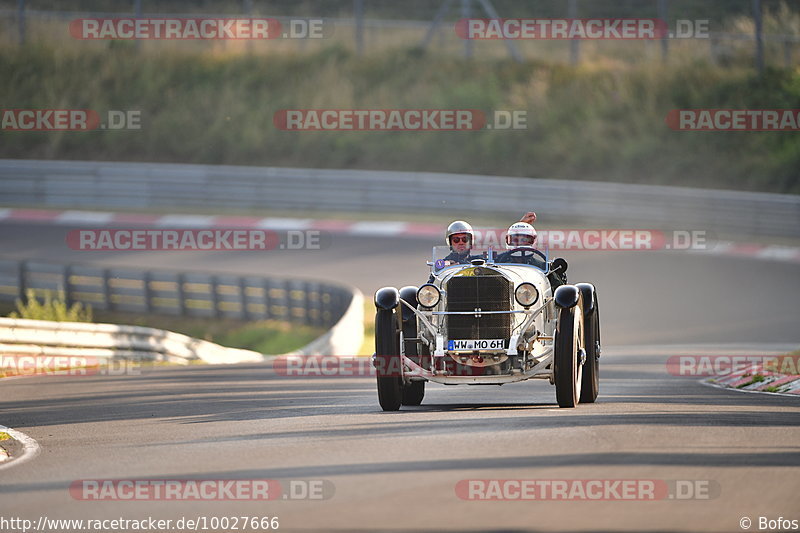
[
  {"x": 520, "y": 239},
  {"x": 460, "y": 237}
]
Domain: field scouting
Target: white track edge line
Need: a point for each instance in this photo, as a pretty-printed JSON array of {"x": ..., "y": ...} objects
[{"x": 30, "y": 448}]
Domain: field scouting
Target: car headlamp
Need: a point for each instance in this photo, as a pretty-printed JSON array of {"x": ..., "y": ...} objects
[
  {"x": 428, "y": 296},
  {"x": 526, "y": 294}
]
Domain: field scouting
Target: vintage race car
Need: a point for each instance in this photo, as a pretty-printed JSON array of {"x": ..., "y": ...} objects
[{"x": 502, "y": 318}]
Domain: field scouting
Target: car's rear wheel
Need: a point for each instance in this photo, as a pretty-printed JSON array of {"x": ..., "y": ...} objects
[
  {"x": 590, "y": 387},
  {"x": 569, "y": 356},
  {"x": 413, "y": 393},
  {"x": 387, "y": 355}
]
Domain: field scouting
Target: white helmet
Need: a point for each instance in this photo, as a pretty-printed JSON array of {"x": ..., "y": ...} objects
[
  {"x": 520, "y": 234},
  {"x": 459, "y": 226}
]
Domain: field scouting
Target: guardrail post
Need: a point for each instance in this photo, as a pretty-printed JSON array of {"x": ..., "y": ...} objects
[
  {"x": 180, "y": 294},
  {"x": 246, "y": 315},
  {"x": 215, "y": 296},
  {"x": 285, "y": 301},
  {"x": 107, "y": 296},
  {"x": 313, "y": 311},
  {"x": 336, "y": 304},
  {"x": 67, "y": 274},
  {"x": 307, "y": 303},
  {"x": 293, "y": 303},
  {"x": 267, "y": 299},
  {"x": 21, "y": 279},
  {"x": 326, "y": 306},
  {"x": 148, "y": 293}
]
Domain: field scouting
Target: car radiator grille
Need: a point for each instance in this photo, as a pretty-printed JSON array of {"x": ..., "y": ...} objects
[{"x": 488, "y": 293}]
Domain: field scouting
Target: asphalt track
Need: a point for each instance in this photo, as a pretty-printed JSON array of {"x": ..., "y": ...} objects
[{"x": 399, "y": 471}]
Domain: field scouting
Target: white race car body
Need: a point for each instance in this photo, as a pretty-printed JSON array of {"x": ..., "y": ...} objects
[
  {"x": 499, "y": 318},
  {"x": 478, "y": 332}
]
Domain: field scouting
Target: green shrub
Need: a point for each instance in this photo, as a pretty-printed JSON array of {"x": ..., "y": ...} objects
[{"x": 53, "y": 308}]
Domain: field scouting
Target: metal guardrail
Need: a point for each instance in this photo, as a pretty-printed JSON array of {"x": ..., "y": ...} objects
[
  {"x": 175, "y": 293},
  {"x": 206, "y": 187},
  {"x": 99, "y": 342},
  {"x": 339, "y": 309}
]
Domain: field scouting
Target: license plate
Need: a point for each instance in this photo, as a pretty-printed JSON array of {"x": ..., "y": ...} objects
[{"x": 470, "y": 344}]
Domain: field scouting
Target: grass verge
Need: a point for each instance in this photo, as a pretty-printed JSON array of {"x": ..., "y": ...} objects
[{"x": 266, "y": 336}]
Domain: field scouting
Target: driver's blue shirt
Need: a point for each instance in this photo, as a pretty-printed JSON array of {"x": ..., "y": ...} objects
[
  {"x": 463, "y": 259},
  {"x": 456, "y": 258}
]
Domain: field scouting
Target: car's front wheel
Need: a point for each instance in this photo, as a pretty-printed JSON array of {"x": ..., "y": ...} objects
[
  {"x": 570, "y": 356},
  {"x": 387, "y": 359}
]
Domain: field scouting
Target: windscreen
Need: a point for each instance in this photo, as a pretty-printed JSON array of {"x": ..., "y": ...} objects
[{"x": 445, "y": 257}]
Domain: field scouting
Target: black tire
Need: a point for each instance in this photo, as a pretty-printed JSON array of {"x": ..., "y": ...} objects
[
  {"x": 413, "y": 393},
  {"x": 590, "y": 387},
  {"x": 387, "y": 351},
  {"x": 566, "y": 367}
]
